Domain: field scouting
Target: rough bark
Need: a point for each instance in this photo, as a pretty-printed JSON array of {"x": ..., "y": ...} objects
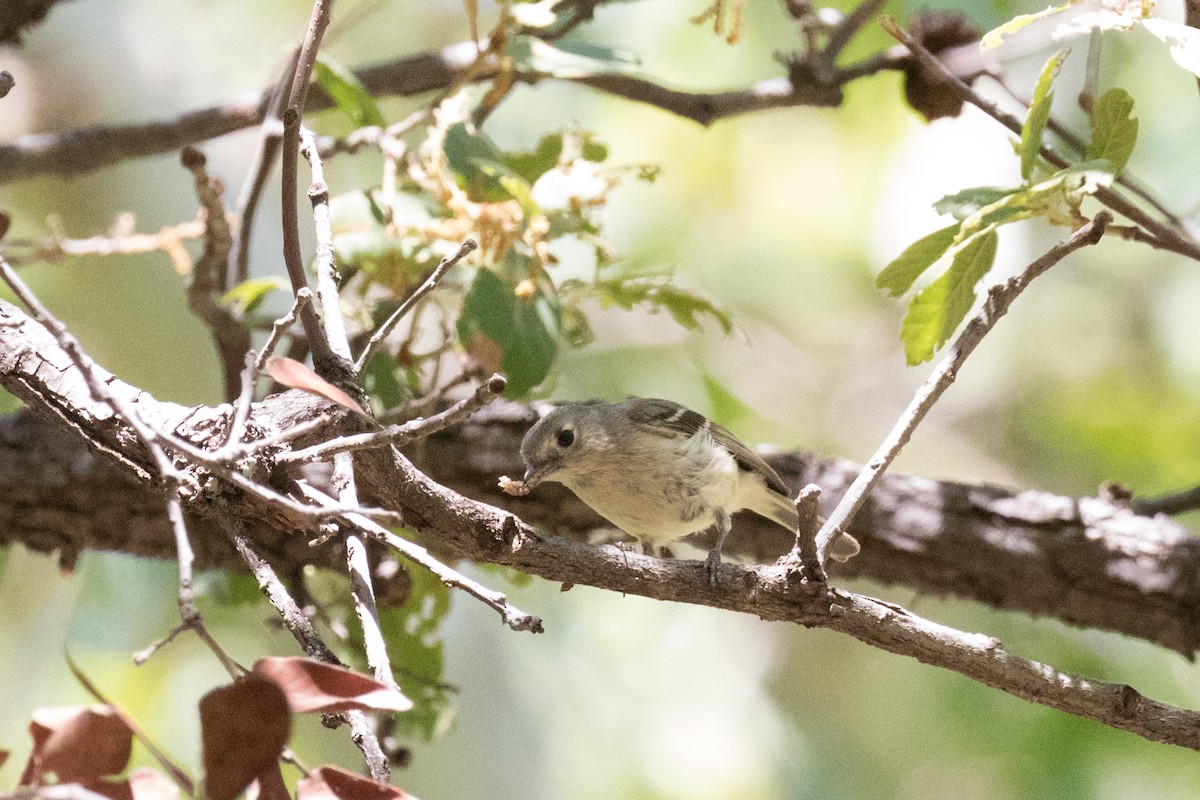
[{"x": 1090, "y": 562}]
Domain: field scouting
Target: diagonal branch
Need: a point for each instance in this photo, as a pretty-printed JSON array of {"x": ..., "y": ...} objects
[{"x": 999, "y": 298}]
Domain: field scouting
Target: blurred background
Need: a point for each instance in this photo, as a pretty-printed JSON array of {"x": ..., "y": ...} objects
[{"x": 784, "y": 218}]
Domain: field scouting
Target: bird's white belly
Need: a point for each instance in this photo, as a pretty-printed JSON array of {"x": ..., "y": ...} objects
[{"x": 660, "y": 500}]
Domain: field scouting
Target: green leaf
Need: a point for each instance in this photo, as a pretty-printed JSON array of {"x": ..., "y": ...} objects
[
  {"x": 347, "y": 92},
  {"x": 569, "y": 59},
  {"x": 515, "y": 335},
  {"x": 658, "y": 292},
  {"x": 535, "y": 164},
  {"x": 727, "y": 408},
  {"x": 899, "y": 276},
  {"x": 413, "y": 632},
  {"x": 381, "y": 384},
  {"x": 1039, "y": 115},
  {"x": 247, "y": 296},
  {"x": 1114, "y": 131},
  {"x": 228, "y": 589},
  {"x": 477, "y": 162},
  {"x": 934, "y": 314},
  {"x": 995, "y": 37},
  {"x": 969, "y": 201}
]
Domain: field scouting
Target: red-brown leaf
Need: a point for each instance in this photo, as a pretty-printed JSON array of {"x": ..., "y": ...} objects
[
  {"x": 77, "y": 744},
  {"x": 244, "y": 727},
  {"x": 311, "y": 686},
  {"x": 331, "y": 783},
  {"x": 291, "y": 373}
]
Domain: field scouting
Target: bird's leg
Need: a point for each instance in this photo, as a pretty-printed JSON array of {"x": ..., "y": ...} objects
[{"x": 724, "y": 525}]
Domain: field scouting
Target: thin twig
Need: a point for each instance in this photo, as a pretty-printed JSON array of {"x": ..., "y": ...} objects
[
  {"x": 85, "y": 149},
  {"x": 325, "y": 360},
  {"x": 208, "y": 279},
  {"x": 995, "y": 306},
  {"x": 150, "y": 438},
  {"x": 296, "y": 621},
  {"x": 326, "y": 270},
  {"x": 363, "y": 594},
  {"x": 1169, "y": 504},
  {"x": 841, "y": 35},
  {"x": 270, "y": 135},
  {"x": 804, "y": 553},
  {"x": 512, "y": 617},
  {"x": 371, "y": 135},
  {"x": 1165, "y": 236},
  {"x": 399, "y": 435},
  {"x": 444, "y": 266}
]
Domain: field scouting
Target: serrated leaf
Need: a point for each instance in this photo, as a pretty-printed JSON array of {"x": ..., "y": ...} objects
[
  {"x": 347, "y": 92},
  {"x": 569, "y": 59},
  {"x": 247, "y": 296},
  {"x": 1114, "y": 131},
  {"x": 659, "y": 293},
  {"x": 899, "y": 276},
  {"x": 935, "y": 313},
  {"x": 1039, "y": 115},
  {"x": 519, "y": 332}
]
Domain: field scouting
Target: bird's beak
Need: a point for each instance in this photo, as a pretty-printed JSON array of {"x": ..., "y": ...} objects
[
  {"x": 532, "y": 478},
  {"x": 534, "y": 475}
]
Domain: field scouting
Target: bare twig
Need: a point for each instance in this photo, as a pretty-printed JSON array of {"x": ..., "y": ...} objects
[
  {"x": 148, "y": 437},
  {"x": 444, "y": 266},
  {"x": 296, "y": 621},
  {"x": 399, "y": 435},
  {"x": 999, "y": 298},
  {"x": 326, "y": 270},
  {"x": 475, "y": 530},
  {"x": 325, "y": 360},
  {"x": 1170, "y": 504},
  {"x": 841, "y": 35},
  {"x": 804, "y": 553},
  {"x": 1163, "y": 234},
  {"x": 363, "y": 593},
  {"x": 169, "y": 239},
  {"x": 230, "y": 334},
  {"x": 270, "y": 134},
  {"x": 512, "y": 617}
]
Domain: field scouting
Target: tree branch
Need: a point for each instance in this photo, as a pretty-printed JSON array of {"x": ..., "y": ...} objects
[{"x": 85, "y": 149}]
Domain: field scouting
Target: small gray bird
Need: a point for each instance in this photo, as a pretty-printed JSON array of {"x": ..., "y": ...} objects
[{"x": 658, "y": 471}]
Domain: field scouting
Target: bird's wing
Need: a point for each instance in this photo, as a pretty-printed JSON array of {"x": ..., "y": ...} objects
[{"x": 668, "y": 418}]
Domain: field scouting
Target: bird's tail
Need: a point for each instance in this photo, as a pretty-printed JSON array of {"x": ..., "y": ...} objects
[{"x": 783, "y": 511}]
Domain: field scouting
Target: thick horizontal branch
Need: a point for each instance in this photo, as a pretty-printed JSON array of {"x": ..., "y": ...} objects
[
  {"x": 1090, "y": 562},
  {"x": 484, "y": 533},
  {"x": 31, "y": 366}
]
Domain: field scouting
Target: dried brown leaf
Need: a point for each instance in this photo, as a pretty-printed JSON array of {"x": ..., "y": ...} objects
[
  {"x": 291, "y": 373},
  {"x": 76, "y": 744},
  {"x": 244, "y": 727},
  {"x": 331, "y": 783},
  {"x": 313, "y": 687}
]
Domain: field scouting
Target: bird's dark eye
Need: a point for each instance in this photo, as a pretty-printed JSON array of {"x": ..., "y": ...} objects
[{"x": 565, "y": 437}]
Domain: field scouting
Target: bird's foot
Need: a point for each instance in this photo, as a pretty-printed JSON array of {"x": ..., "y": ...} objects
[{"x": 712, "y": 564}]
